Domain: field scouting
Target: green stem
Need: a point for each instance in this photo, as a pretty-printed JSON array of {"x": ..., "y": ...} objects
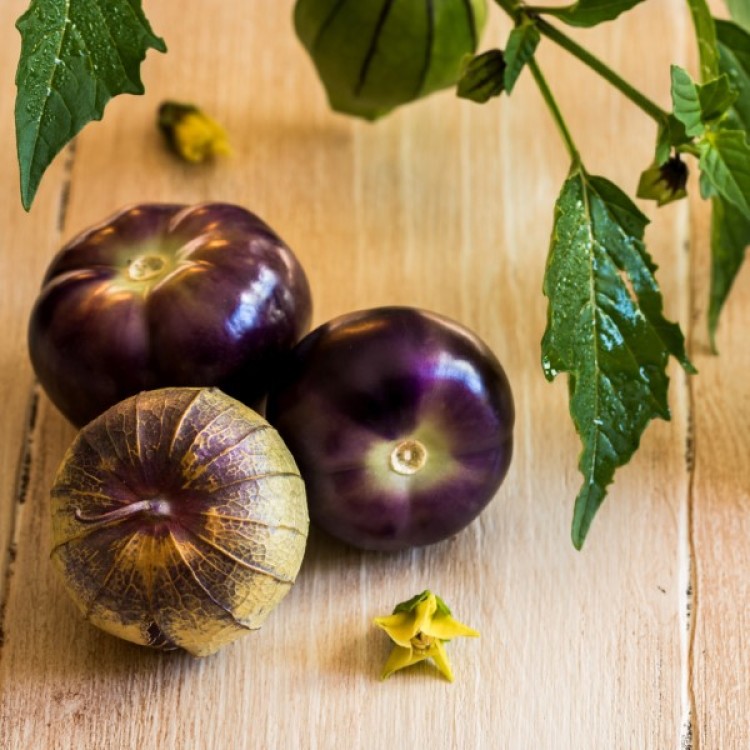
[
  {"x": 688, "y": 148},
  {"x": 705, "y": 32},
  {"x": 511, "y": 7},
  {"x": 652, "y": 109},
  {"x": 549, "y": 100}
]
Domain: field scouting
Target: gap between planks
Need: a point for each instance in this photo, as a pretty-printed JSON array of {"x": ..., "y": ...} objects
[
  {"x": 20, "y": 495},
  {"x": 687, "y": 587},
  {"x": 30, "y": 440},
  {"x": 687, "y": 582}
]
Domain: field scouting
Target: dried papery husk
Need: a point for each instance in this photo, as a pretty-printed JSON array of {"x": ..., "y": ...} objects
[{"x": 179, "y": 520}]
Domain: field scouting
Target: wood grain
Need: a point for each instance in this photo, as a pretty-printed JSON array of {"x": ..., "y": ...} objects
[
  {"x": 448, "y": 206},
  {"x": 25, "y": 244},
  {"x": 720, "y": 527},
  {"x": 720, "y": 504}
]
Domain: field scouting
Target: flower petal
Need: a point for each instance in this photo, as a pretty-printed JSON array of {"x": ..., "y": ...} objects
[
  {"x": 400, "y": 627},
  {"x": 401, "y": 657},
  {"x": 198, "y": 137},
  {"x": 440, "y": 657},
  {"x": 423, "y": 613},
  {"x": 445, "y": 628}
]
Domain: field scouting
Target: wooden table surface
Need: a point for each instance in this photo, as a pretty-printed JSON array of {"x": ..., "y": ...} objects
[{"x": 639, "y": 641}]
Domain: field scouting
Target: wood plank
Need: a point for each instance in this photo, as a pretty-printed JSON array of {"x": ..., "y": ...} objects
[
  {"x": 26, "y": 241},
  {"x": 719, "y": 512},
  {"x": 444, "y": 205},
  {"x": 720, "y": 526}
]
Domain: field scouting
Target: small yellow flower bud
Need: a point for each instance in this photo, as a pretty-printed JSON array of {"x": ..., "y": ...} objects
[{"x": 191, "y": 133}]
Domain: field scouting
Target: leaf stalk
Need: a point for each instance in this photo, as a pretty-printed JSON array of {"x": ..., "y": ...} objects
[
  {"x": 653, "y": 110},
  {"x": 511, "y": 7},
  {"x": 549, "y": 100}
]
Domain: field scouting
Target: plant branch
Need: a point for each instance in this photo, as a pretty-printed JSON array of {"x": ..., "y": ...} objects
[
  {"x": 653, "y": 110},
  {"x": 705, "y": 32},
  {"x": 511, "y": 7},
  {"x": 549, "y": 100}
]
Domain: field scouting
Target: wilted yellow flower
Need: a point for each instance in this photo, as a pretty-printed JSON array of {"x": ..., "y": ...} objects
[
  {"x": 191, "y": 133},
  {"x": 420, "y": 628},
  {"x": 664, "y": 183}
]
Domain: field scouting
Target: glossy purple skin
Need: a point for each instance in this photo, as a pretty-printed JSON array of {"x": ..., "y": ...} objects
[
  {"x": 360, "y": 385},
  {"x": 229, "y": 301}
]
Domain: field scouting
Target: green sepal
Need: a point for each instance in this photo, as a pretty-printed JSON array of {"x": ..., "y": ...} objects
[
  {"x": 411, "y": 604},
  {"x": 483, "y": 77}
]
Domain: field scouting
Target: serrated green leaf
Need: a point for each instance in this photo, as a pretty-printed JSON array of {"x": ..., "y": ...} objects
[
  {"x": 483, "y": 78},
  {"x": 686, "y": 102},
  {"x": 730, "y": 238},
  {"x": 734, "y": 60},
  {"x": 697, "y": 106},
  {"x": 725, "y": 165},
  {"x": 522, "y": 43},
  {"x": 730, "y": 228},
  {"x": 588, "y": 13},
  {"x": 705, "y": 32},
  {"x": 740, "y": 11},
  {"x": 75, "y": 56},
  {"x": 605, "y": 329}
]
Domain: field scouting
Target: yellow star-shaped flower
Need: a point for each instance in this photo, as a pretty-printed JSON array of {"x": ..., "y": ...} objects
[{"x": 420, "y": 628}]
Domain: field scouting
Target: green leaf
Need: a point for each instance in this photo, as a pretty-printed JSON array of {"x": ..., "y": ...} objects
[
  {"x": 725, "y": 165},
  {"x": 740, "y": 11},
  {"x": 75, "y": 56},
  {"x": 730, "y": 228},
  {"x": 522, "y": 43},
  {"x": 699, "y": 105},
  {"x": 483, "y": 78},
  {"x": 706, "y": 188},
  {"x": 686, "y": 102},
  {"x": 591, "y": 12},
  {"x": 734, "y": 60},
  {"x": 730, "y": 238},
  {"x": 670, "y": 135},
  {"x": 605, "y": 329},
  {"x": 705, "y": 32},
  {"x": 716, "y": 97}
]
